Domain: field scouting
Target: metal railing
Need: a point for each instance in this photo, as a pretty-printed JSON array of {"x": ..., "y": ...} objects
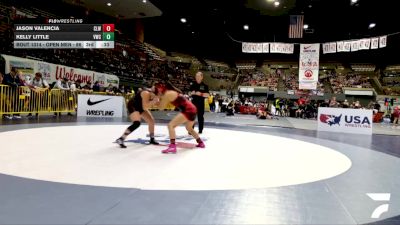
[{"x": 23, "y": 100}]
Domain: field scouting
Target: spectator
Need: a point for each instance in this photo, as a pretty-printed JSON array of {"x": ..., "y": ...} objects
[
  {"x": 38, "y": 87},
  {"x": 333, "y": 103},
  {"x": 13, "y": 80},
  {"x": 62, "y": 84},
  {"x": 1, "y": 78},
  {"x": 87, "y": 88},
  {"x": 96, "y": 86},
  {"x": 346, "y": 104}
]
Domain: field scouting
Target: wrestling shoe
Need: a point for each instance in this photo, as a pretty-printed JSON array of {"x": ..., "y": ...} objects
[
  {"x": 120, "y": 142},
  {"x": 171, "y": 149},
  {"x": 153, "y": 142},
  {"x": 201, "y": 145}
]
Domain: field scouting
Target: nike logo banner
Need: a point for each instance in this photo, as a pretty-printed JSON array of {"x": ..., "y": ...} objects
[{"x": 96, "y": 102}]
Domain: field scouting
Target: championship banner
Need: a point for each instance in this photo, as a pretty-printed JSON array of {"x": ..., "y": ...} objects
[
  {"x": 374, "y": 43},
  {"x": 308, "y": 65},
  {"x": 100, "y": 106},
  {"x": 347, "y": 46},
  {"x": 355, "y": 46},
  {"x": 340, "y": 46},
  {"x": 325, "y": 48},
  {"x": 265, "y": 47},
  {"x": 252, "y": 47},
  {"x": 344, "y": 120},
  {"x": 52, "y": 72},
  {"x": 332, "y": 47},
  {"x": 329, "y": 47},
  {"x": 382, "y": 41}
]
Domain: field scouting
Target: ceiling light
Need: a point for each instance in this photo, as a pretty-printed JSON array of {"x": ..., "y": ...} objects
[
  {"x": 277, "y": 3},
  {"x": 305, "y": 26},
  {"x": 246, "y": 27},
  {"x": 372, "y": 25},
  {"x": 144, "y": 1},
  {"x": 354, "y": 1},
  {"x": 108, "y": 3},
  {"x": 310, "y": 6},
  {"x": 183, "y": 20}
]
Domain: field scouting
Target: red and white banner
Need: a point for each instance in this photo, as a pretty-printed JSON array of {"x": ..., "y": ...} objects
[
  {"x": 309, "y": 65},
  {"x": 51, "y": 72}
]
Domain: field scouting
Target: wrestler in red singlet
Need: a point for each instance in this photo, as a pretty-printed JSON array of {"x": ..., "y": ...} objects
[{"x": 172, "y": 95}]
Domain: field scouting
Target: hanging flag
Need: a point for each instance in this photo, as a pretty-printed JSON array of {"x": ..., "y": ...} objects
[
  {"x": 382, "y": 41},
  {"x": 296, "y": 24}
]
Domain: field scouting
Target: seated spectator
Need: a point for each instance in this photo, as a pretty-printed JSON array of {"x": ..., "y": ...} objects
[
  {"x": 110, "y": 89},
  {"x": 346, "y": 104},
  {"x": 96, "y": 86},
  {"x": 229, "y": 109},
  {"x": 87, "y": 88}
]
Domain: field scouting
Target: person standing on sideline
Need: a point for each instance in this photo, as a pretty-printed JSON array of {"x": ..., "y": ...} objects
[{"x": 199, "y": 91}]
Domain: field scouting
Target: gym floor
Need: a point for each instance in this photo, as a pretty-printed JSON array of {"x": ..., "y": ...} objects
[{"x": 68, "y": 171}]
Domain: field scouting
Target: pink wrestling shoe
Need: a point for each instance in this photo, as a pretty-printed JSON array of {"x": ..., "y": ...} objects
[
  {"x": 201, "y": 145},
  {"x": 171, "y": 149}
]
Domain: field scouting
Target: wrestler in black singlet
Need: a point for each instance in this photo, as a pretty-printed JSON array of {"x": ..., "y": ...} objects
[{"x": 135, "y": 104}]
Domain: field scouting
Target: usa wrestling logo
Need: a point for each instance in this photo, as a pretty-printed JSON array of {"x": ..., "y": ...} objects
[{"x": 330, "y": 119}]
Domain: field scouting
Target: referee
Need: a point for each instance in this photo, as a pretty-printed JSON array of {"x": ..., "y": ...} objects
[{"x": 199, "y": 91}]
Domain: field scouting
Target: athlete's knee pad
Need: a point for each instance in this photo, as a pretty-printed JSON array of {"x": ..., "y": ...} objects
[{"x": 134, "y": 126}]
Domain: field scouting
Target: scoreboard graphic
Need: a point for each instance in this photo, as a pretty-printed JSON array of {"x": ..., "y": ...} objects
[{"x": 64, "y": 36}]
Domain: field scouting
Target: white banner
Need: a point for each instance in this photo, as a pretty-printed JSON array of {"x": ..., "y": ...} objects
[
  {"x": 374, "y": 43},
  {"x": 347, "y": 46},
  {"x": 356, "y": 121},
  {"x": 265, "y": 47},
  {"x": 51, "y": 72},
  {"x": 325, "y": 48},
  {"x": 340, "y": 46},
  {"x": 309, "y": 63},
  {"x": 355, "y": 46},
  {"x": 382, "y": 41},
  {"x": 332, "y": 47},
  {"x": 329, "y": 47},
  {"x": 100, "y": 106}
]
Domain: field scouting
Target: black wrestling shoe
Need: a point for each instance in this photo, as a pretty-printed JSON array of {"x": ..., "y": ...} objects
[
  {"x": 153, "y": 142},
  {"x": 120, "y": 142}
]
